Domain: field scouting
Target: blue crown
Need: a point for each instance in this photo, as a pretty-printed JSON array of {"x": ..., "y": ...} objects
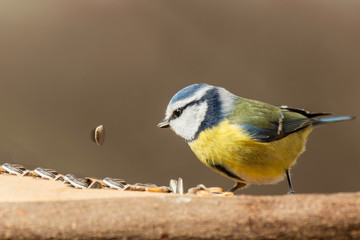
[{"x": 186, "y": 92}]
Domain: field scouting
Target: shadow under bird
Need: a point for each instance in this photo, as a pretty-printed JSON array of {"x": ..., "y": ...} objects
[{"x": 248, "y": 141}]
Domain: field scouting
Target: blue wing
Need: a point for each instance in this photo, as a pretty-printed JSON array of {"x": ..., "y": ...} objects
[
  {"x": 260, "y": 134},
  {"x": 290, "y": 120}
]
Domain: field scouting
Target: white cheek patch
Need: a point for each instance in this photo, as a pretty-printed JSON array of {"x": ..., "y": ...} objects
[{"x": 187, "y": 125}]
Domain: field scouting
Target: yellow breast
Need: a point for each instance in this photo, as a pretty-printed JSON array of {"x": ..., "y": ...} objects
[{"x": 255, "y": 162}]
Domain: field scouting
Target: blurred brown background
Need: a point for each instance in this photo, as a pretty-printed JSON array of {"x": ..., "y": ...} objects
[{"x": 68, "y": 66}]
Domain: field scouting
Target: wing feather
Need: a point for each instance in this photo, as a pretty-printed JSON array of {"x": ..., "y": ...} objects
[{"x": 266, "y": 123}]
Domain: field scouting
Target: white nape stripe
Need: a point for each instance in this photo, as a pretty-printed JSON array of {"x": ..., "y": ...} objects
[
  {"x": 227, "y": 101},
  {"x": 196, "y": 96}
]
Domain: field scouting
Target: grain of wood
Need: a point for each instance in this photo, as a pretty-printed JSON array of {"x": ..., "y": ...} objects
[{"x": 35, "y": 209}]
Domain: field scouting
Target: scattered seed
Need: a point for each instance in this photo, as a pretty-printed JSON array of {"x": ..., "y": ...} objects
[
  {"x": 203, "y": 193},
  {"x": 202, "y": 190},
  {"x": 192, "y": 191},
  {"x": 140, "y": 188},
  {"x": 44, "y": 173},
  {"x": 94, "y": 183},
  {"x": 215, "y": 189},
  {"x": 217, "y": 193},
  {"x": 201, "y": 187},
  {"x": 180, "y": 186},
  {"x": 114, "y": 183},
  {"x": 173, "y": 185},
  {"x": 228, "y": 194},
  {"x": 28, "y": 173},
  {"x": 129, "y": 188},
  {"x": 176, "y": 186},
  {"x": 13, "y": 169},
  {"x": 155, "y": 189},
  {"x": 75, "y": 182},
  {"x": 19, "y": 166},
  {"x": 166, "y": 189},
  {"x": 60, "y": 177},
  {"x": 145, "y": 184}
]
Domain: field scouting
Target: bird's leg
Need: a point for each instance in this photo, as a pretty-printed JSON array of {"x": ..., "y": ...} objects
[
  {"x": 291, "y": 189},
  {"x": 237, "y": 186}
]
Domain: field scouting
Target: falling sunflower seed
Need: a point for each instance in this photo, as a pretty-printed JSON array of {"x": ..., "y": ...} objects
[{"x": 98, "y": 135}]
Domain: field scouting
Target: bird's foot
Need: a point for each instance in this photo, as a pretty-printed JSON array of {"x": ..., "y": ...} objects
[{"x": 291, "y": 191}]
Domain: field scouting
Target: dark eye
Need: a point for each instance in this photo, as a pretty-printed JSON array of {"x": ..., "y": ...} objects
[{"x": 177, "y": 113}]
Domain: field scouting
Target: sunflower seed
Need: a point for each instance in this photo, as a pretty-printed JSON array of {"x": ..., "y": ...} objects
[
  {"x": 215, "y": 189},
  {"x": 94, "y": 183},
  {"x": 173, "y": 185},
  {"x": 155, "y": 189},
  {"x": 13, "y": 169},
  {"x": 114, "y": 183},
  {"x": 75, "y": 182},
  {"x": 44, "y": 173},
  {"x": 99, "y": 135},
  {"x": 180, "y": 186}
]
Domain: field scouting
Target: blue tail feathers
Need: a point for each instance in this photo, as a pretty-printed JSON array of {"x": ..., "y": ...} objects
[{"x": 324, "y": 120}]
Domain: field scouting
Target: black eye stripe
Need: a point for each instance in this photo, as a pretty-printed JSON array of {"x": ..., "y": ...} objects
[{"x": 177, "y": 112}]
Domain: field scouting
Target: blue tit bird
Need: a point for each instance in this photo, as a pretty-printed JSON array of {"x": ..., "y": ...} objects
[{"x": 248, "y": 141}]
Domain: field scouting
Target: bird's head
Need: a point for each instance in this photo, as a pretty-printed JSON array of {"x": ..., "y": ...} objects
[{"x": 196, "y": 108}]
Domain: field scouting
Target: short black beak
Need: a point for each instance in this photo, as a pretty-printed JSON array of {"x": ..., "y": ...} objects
[{"x": 164, "y": 123}]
